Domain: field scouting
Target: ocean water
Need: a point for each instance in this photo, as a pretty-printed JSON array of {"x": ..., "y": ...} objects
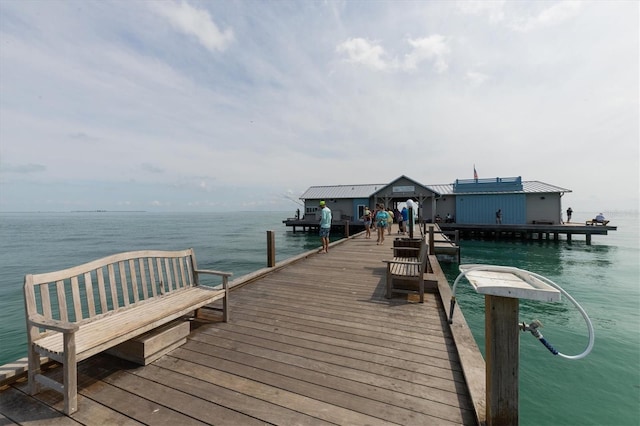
[
  {"x": 601, "y": 389},
  {"x": 604, "y": 278},
  {"x": 42, "y": 242}
]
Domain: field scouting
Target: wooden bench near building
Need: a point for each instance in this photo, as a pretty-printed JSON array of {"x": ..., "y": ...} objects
[
  {"x": 76, "y": 313},
  {"x": 408, "y": 272}
]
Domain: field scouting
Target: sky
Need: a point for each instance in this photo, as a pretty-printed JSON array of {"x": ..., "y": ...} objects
[{"x": 243, "y": 105}]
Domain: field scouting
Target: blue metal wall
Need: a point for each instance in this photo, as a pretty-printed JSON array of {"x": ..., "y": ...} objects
[
  {"x": 509, "y": 184},
  {"x": 357, "y": 202},
  {"x": 481, "y": 209}
]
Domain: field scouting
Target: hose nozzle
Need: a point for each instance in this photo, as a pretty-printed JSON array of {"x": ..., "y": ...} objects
[{"x": 532, "y": 327}]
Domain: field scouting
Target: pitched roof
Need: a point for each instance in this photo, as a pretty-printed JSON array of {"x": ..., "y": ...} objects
[
  {"x": 528, "y": 187},
  {"x": 341, "y": 191}
]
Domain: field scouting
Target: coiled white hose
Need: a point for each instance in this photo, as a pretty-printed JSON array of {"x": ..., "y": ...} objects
[{"x": 498, "y": 268}]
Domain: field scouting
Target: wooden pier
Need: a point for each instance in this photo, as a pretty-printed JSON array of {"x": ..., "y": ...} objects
[
  {"x": 534, "y": 231},
  {"x": 312, "y": 341},
  {"x": 528, "y": 231}
]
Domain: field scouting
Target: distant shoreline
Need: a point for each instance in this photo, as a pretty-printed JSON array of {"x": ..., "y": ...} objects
[{"x": 78, "y": 211}]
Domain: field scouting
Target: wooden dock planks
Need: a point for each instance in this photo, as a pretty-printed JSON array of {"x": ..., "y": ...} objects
[{"x": 313, "y": 343}]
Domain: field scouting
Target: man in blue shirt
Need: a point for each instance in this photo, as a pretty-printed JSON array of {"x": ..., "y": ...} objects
[
  {"x": 405, "y": 219},
  {"x": 325, "y": 227}
]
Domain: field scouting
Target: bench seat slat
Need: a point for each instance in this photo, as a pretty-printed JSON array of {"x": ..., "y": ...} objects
[{"x": 120, "y": 327}]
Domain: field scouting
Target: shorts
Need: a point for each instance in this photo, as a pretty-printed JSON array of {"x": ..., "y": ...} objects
[
  {"x": 382, "y": 224},
  {"x": 324, "y": 232}
]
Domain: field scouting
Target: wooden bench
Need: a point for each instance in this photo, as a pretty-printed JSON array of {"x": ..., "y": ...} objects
[
  {"x": 78, "y": 312},
  {"x": 407, "y": 268}
]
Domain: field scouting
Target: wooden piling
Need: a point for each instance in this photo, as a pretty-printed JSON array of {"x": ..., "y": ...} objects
[
  {"x": 432, "y": 242},
  {"x": 271, "y": 249},
  {"x": 502, "y": 358},
  {"x": 411, "y": 224}
]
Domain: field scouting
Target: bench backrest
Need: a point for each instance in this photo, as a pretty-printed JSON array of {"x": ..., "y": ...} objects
[
  {"x": 411, "y": 243},
  {"x": 106, "y": 285},
  {"x": 422, "y": 257}
]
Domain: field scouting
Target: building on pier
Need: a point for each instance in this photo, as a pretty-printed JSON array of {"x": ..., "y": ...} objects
[
  {"x": 466, "y": 201},
  {"x": 529, "y": 209}
]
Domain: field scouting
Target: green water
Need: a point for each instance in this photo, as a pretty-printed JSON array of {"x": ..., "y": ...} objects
[{"x": 602, "y": 389}]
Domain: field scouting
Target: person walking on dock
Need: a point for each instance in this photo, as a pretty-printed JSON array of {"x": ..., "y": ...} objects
[
  {"x": 366, "y": 218},
  {"x": 499, "y": 217},
  {"x": 381, "y": 222},
  {"x": 389, "y": 221},
  {"x": 398, "y": 217},
  {"x": 325, "y": 227},
  {"x": 405, "y": 219},
  {"x": 569, "y": 213}
]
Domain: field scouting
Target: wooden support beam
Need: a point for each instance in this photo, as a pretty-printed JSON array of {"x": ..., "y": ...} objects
[
  {"x": 432, "y": 242},
  {"x": 502, "y": 357},
  {"x": 271, "y": 249},
  {"x": 411, "y": 222}
]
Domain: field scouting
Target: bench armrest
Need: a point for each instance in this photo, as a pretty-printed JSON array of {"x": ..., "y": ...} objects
[
  {"x": 224, "y": 275},
  {"x": 212, "y": 272},
  {"x": 50, "y": 324}
]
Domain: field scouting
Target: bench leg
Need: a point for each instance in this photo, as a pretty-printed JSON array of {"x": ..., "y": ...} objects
[
  {"x": 388, "y": 283},
  {"x": 225, "y": 303},
  {"x": 225, "y": 308},
  {"x": 421, "y": 289},
  {"x": 34, "y": 369},
  {"x": 70, "y": 373}
]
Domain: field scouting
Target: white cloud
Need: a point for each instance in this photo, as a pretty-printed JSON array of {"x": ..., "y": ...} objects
[
  {"x": 553, "y": 15},
  {"x": 364, "y": 52},
  {"x": 428, "y": 48},
  {"x": 476, "y": 78},
  {"x": 494, "y": 9},
  {"x": 108, "y": 103},
  {"x": 195, "y": 22},
  {"x": 372, "y": 55},
  {"x": 522, "y": 16}
]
